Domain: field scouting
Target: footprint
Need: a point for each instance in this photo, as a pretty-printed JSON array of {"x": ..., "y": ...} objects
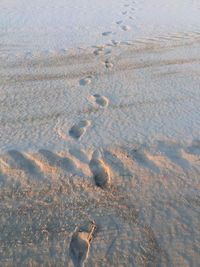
[
  {"x": 99, "y": 50},
  {"x": 100, "y": 100},
  {"x": 114, "y": 42},
  {"x": 85, "y": 81},
  {"x": 124, "y": 12},
  {"x": 108, "y": 64},
  {"x": 119, "y": 22},
  {"x": 106, "y": 33},
  {"x": 79, "y": 129},
  {"x": 100, "y": 170},
  {"x": 126, "y": 28},
  {"x": 80, "y": 244}
]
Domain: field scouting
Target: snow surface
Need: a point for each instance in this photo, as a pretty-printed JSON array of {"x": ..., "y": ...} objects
[
  {"x": 109, "y": 133},
  {"x": 151, "y": 96}
]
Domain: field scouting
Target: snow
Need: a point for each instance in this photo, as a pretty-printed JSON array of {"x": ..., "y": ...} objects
[{"x": 100, "y": 93}]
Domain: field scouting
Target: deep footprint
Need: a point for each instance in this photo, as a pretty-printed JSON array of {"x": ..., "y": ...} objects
[
  {"x": 79, "y": 129},
  {"x": 101, "y": 100},
  {"x": 100, "y": 170},
  {"x": 80, "y": 244}
]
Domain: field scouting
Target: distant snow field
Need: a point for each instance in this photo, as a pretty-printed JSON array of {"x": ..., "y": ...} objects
[{"x": 27, "y": 25}]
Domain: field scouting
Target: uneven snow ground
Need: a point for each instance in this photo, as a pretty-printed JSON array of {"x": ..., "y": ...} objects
[
  {"x": 105, "y": 137},
  {"x": 144, "y": 97}
]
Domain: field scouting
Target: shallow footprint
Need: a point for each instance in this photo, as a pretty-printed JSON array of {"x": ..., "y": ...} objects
[
  {"x": 126, "y": 28},
  {"x": 80, "y": 244},
  {"x": 106, "y": 33},
  {"x": 79, "y": 129},
  {"x": 101, "y": 100},
  {"x": 100, "y": 170},
  {"x": 85, "y": 81},
  {"x": 98, "y": 52},
  {"x": 116, "y": 43},
  {"x": 108, "y": 64},
  {"x": 119, "y": 22}
]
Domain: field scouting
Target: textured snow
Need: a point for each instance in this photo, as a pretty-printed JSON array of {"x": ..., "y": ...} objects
[{"x": 106, "y": 136}]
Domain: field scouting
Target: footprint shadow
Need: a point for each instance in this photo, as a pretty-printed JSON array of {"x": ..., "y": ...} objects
[
  {"x": 142, "y": 160},
  {"x": 116, "y": 164},
  {"x": 19, "y": 161},
  {"x": 64, "y": 163},
  {"x": 80, "y": 155},
  {"x": 194, "y": 148},
  {"x": 172, "y": 152}
]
